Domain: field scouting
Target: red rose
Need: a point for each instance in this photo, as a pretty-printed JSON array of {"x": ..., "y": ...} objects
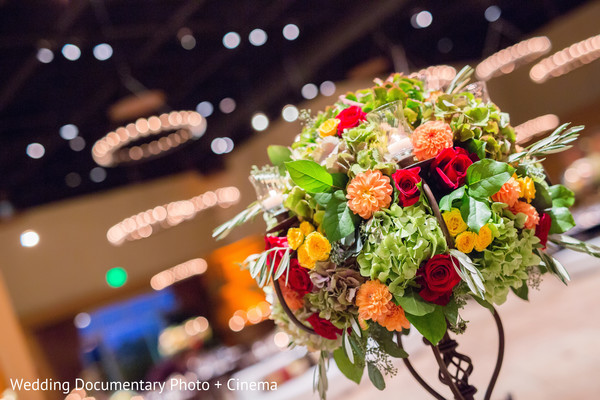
[
  {"x": 350, "y": 117},
  {"x": 450, "y": 167},
  {"x": 297, "y": 278},
  {"x": 406, "y": 182},
  {"x": 323, "y": 327},
  {"x": 274, "y": 258},
  {"x": 542, "y": 229},
  {"x": 437, "y": 279}
]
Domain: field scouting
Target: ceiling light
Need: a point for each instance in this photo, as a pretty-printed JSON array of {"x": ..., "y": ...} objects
[
  {"x": 205, "y": 108},
  {"x": 35, "y": 150},
  {"x": 421, "y": 20},
  {"x": 290, "y": 113},
  {"x": 227, "y": 105},
  {"x": 260, "y": 122},
  {"x": 257, "y": 37},
  {"x": 68, "y": 131},
  {"x": 71, "y": 52},
  {"x": 492, "y": 13},
  {"x": 291, "y": 32},
  {"x": 103, "y": 51},
  {"x": 327, "y": 88},
  {"x": 309, "y": 91},
  {"x": 29, "y": 238},
  {"x": 231, "y": 40},
  {"x": 45, "y": 55}
]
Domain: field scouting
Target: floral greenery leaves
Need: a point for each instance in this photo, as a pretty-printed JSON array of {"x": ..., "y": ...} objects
[
  {"x": 313, "y": 177},
  {"x": 339, "y": 220},
  {"x": 278, "y": 155},
  {"x": 432, "y": 326},
  {"x": 557, "y": 141},
  {"x": 248, "y": 214},
  {"x": 484, "y": 178},
  {"x": 414, "y": 304}
]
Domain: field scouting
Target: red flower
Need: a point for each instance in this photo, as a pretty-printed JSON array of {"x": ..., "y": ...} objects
[
  {"x": 406, "y": 182},
  {"x": 542, "y": 229},
  {"x": 297, "y": 279},
  {"x": 437, "y": 279},
  {"x": 323, "y": 327},
  {"x": 350, "y": 117},
  {"x": 274, "y": 258},
  {"x": 450, "y": 167}
]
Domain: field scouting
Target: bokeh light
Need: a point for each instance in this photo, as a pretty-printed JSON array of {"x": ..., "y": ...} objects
[
  {"x": 35, "y": 150},
  {"x": 116, "y": 277},
  {"x": 291, "y": 32},
  {"x": 231, "y": 40},
  {"x": 260, "y": 122},
  {"x": 71, "y": 52},
  {"x": 257, "y": 37},
  {"x": 45, "y": 55},
  {"x": 29, "y": 238},
  {"x": 290, "y": 113},
  {"x": 103, "y": 51}
]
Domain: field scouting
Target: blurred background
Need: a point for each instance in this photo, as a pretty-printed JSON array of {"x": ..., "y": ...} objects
[{"x": 107, "y": 266}]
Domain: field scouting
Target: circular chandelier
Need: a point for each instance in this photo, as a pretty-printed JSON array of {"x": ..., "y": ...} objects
[{"x": 153, "y": 135}]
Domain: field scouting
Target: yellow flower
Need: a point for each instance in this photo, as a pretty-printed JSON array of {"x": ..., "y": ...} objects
[
  {"x": 303, "y": 259},
  {"x": 295, "y": 237},
  {"x": 329, "y": 127},
  {"x": 527, "y": 188},
  {"x": 466, "y": 241},
  {"x": 317, "y": 246},
  {"x": 484, "y": 238},
  {"x": 454, "y": 222},
  {"x": 306, "y": 228}
]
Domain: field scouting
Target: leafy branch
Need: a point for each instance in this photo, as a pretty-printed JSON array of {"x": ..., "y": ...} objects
[
  {"x": 556, "y": 142},
  {"x": 320, "y": 382},
  {"x": 221, "y": 231},
  {"x": 468, "y": 272},
  {"x": 461, "y": 80},
  {"x": 575, "y": 244},
  {"x": 262, "y": 270}
]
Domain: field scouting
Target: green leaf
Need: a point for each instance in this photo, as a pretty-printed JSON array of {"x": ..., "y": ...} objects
[
  {"x": 447, "y": 201},
  {"x": 542, "y": 198},
  {"x": 522, "y": 292},
  {"x": 353, "y": 372},
  {"x": 432, "y": 326},
  {"x": 375, "y": 376},
  {"x": 575, "y": 244},
  {"x": 476, "y": 213},
  {"x": 414, "y": 304},
  {"x": 486, "y": 177},
  {"x": 483, "y": 303},
  {"x": 340, "y": 180},
  {"x": 561, "y": 196},
  {"x": 562, "y": 220},
  {"x": 451, "y": 312},
  {"x": 477, "y": 147},
  {"x": 554, "y": 266},
  {"x": 322, "y": 199},
  {"x": 339, "y": 221},
  {"x": 279, "y": 154},
  {"x": 310, "y": 176}
]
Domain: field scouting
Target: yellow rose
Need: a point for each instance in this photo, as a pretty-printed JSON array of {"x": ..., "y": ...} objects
[
  {"x": 295, "y": 237},
  {"x": 306, "y": 228},
  {"x": 466, "y": 241},
  {"x": 329, "y": 127},
  {"x": 317, "y": 246},
  {"x": 527, "y": 188},
  {"x": 454, "y": 222},
  {"x": 303, "y": 259},
  {"x": 484, "y": 238}
]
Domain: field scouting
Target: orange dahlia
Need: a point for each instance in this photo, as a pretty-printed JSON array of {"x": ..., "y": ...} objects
[
  {"x": 431, "y": 138},
  {"x": 533, "y": 218},
  {"x": 509, "y": 193},
  {"x": 395, "y": 319},
  {"x": 368, "y": 192},
  {"x": 373, "y": 300}
]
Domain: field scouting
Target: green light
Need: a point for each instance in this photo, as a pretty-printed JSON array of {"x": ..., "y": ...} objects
[{"x": 116, "y": 277}]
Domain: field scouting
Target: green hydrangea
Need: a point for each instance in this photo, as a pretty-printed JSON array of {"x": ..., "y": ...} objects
[
  {"x": 397, "y": 241},
  {"x": 505, "y": 262}
]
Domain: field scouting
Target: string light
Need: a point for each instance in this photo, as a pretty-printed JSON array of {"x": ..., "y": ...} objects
[
  {"x": 111, "y": 150},
  {"x": 506, "y": 60},
  {"x": 566, "y": 60},
  {"x": 182, "y": 271},
  {"x": 536, "y": 126},
  {"x": 143, "y": 224}
]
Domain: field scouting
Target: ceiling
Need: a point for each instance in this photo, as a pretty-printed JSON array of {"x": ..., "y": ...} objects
[{"x": 37, "y": 98}]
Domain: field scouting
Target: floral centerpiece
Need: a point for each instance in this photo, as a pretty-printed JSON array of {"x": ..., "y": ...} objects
[{"x": 400, "y": 203}]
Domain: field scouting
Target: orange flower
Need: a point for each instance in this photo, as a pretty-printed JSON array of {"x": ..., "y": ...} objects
[
  {"x": 395, "y": 319},
  {"x": 373, "y": 300},
  {"x": 293, "y": 299},
  {"x": 533, "y": 218},
  {"x": 509, "y": 193},
  {"x": 431, "y": 138},
  {"x": 368, "y": 192}
]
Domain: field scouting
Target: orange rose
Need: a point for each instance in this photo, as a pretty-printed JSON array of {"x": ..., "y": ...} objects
[
  {"x": 431, "y": 138},
  {"x": 509, "y": 193},
  {"x": 533, "y": 218}
]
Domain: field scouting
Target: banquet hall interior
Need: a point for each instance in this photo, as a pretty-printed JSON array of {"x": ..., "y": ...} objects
[{"x": 108, "y": 267}]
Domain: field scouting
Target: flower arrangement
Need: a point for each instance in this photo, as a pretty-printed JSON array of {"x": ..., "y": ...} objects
[{"x": 401, "y": 202}]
